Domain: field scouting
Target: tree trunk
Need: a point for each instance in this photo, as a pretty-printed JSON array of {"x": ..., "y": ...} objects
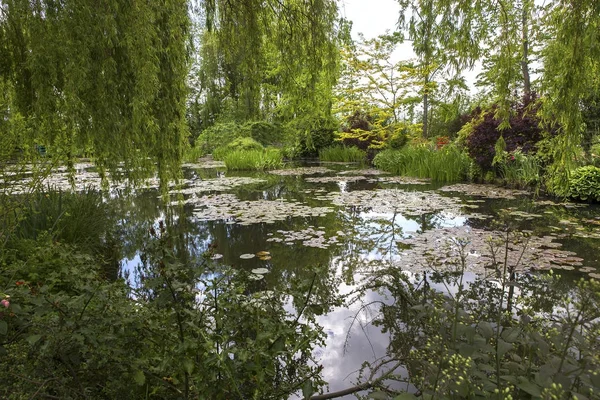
[{"x": 425, "y": 112}]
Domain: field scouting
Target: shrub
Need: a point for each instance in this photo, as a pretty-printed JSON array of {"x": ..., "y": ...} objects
[
  {"x": 217, "y": 135},
  {"x": 248, "y": 160},
  {"x": 358, "y": 131},
  {"x": 311, "y": 136},
  {"x": 340, "y": 153},
  {"x": 239, "y": 144},
  {"x": 263, "y": 132},
  {"x": 519, "y": 169},
  {"x": 445, "y": 165},
  {"x": 584, "y": 184},
  {"x": 524, "y": 133}
]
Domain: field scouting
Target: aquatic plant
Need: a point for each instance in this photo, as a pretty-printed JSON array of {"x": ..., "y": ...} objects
[
  {"x": 238, "y": 144},
  {"x": 447, "y": 164},
  {"x": 248, "y": 160},
  {"x": 340, "y": 153}
]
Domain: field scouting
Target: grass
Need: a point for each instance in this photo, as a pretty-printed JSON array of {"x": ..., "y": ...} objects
[
  {"x": 341, "y": 153},
  {"x": 448, "y": 164},
  {"x": 521, "y": 171},
  {"x": 247, "y": 160}
]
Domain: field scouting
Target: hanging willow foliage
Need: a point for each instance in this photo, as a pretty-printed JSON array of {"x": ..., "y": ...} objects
[
  {"x": 274, "y": 57},
  {"x": 108, "y": 76}
]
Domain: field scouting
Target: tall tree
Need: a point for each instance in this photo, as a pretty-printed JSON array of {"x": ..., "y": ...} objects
[
  {"x": 277, "y": 59},
  {"x": 93, "y": 74},
  {"x": 445, "y": 35}
]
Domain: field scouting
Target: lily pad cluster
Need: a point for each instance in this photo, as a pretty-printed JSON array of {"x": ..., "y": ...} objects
[
  {"x": 396, "y": 201},
  {"x": 363, "y": 172},
  {"x": 487, "y": 191},
  {"x": 400, "y": 180},
  {"x": 330, "y": 179},
  {"x": 214, "y": 185},
  {"x": 310, "y": 237},
  {"x": 205, "y": 164},
  {"x": 484, "y": 250},
  {"x": 301, "y": 171},
  {"x": 229, "y": 208}
]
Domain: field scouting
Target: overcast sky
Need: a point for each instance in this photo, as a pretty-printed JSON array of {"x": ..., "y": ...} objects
[{"x": 371, "y": 17}]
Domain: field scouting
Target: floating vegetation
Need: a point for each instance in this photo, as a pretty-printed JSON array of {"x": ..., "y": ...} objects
[
  {"x": 329, "y": 179},
  {"x": 518, "y": 214},
  {"x": 301, "y": 171},
  {"x": 310, "y": 237},
  {"x": 401, "y": 180},
  {"x": 488, "y": 191},
  {"x": 364, "y": 172},
  {"x": 260, "y": 271},
  {"x": 398, "y": 201},
  {"x": 247, "y": 256},
  {"x": 214, "y": 185},
  {"x": 485, "y": 251},
  {"x": 216, "y": 256},
  {"x": 561, "y": 204},
  {"x": 205, "y": 164},
  {"x": 229, "y": 208}
]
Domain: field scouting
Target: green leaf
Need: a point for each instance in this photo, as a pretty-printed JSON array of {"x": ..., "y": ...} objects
[
  {"x": 405, "y": 396},
  {"x": 510, "y": 335},
  {"x": 139, "y": 377},
  {"x": 530, "y": 388},
  {"x": 33, "y": 339},
  {"x": 3, "y": 328},
  {"x": 486, "y": 329},
  {"x": 307, "y": 389},
  {"x": 503, "y": 348}
]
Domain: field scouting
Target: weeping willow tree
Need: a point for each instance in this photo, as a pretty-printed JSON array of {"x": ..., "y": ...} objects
[
  {"x": 570, "y": 60},
  {"x": 108, "y": 77},
  {"x": 267, "y": 59}
]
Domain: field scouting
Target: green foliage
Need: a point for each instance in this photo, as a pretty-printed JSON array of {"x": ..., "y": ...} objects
[
  {"x": 339, "y": 153},
  {"x": 585, "y": 184},
  {"x": 519, "y": 169},
  {"x": 81, "y": 77},
  {"x": 447, "y": 164},
  {"x": 248, "y": 160},
  {"x": 240, "y": 144},
  {"x": 264, "y": 132},
  {"x": 217, "y": 135},
  {"x": 266, "y": 59},
  {"x": 312, "y": 135},
  {"x": 68, "y": 333}
]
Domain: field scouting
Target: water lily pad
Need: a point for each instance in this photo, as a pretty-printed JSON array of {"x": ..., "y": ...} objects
[
  {"x": 262, "y": 253},
  {"x": 247, "y": 256},
  {"x": 260, "y": 271},
  {"x": 488, "y": 191},
  {"x": 300, "y": 171},
  {"x": 216, "y": 256}
]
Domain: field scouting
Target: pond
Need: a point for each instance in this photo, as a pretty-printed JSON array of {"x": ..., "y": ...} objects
[{"x": 341, "y": 222}]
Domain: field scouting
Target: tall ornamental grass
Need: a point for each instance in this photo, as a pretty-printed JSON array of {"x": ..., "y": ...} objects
[
  {"x": 248, "y": 160},
  {"x": 448, "y": 164},
  {"x": 341, "y": 153}
]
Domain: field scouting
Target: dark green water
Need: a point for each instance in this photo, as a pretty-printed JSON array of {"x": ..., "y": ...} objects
[{"x": 358, "y": 236}]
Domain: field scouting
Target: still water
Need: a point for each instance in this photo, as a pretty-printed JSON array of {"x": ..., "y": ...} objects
[{"x": 340, "y": 222}]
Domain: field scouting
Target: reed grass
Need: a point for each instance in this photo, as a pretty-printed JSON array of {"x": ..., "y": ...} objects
[
  {"x": 448, "y": 164},
  {"x": 341, "y": 153},
  {"x": 248, "y": 160}
]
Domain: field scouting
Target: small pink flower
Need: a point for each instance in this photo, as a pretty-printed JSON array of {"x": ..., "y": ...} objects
[{"x": 5, "y": 303}]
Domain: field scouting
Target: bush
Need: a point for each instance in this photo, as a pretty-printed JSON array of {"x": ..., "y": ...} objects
[
  {"x": 342, "y": 154},
  {"x": 263, "y": 132},
  {"x": 358, "y": 131},
  {"x": 518, "y": 169},
  {"x": 311, "y": 136},
  {"x": 240, "y": 144},
  {"x": 248, "y": 160},
  {"x": 584, "y": 184},
  {"x": 217, "y": 135},
  {"x": 524, "y": 133},
  {"x": 444, "y": 165}
]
